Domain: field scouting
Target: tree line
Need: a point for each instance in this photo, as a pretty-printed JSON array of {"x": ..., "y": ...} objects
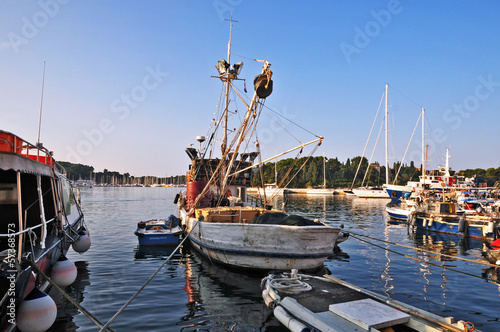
[
  {"x": 341, "y": 175},
  {"x": 76, "y": 172},
  {"x": 305, "y": 173}
]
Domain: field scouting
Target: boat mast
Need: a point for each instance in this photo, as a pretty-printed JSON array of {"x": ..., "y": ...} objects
[
  {"x": 228, "y": 82},
  {"x": 386, "y": 134},
  {"x": 423, "y": 140},
  {"x": 324, "y": 171}
]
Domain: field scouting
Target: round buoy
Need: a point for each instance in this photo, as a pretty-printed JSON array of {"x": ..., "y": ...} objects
[
  {"x": 36, "y": 313},
  {"x": 63, "y": 272},
  {"x": 83, "y": 243}
]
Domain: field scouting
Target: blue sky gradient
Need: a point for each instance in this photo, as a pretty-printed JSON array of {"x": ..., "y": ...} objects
[{"x": 128, "y": 86}]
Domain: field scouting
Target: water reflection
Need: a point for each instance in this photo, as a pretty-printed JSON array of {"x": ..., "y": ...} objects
[
  {"x": 149, "y": 252},
  {"x": 223, "y": 300}
]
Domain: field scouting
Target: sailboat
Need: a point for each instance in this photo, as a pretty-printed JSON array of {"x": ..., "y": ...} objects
[
  {"x": 377, "y": 192},
  {"x": 323, "y": 190},
  {"x": 215, "y": 211}
]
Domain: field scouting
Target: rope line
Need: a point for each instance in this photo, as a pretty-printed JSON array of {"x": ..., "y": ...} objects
[
  {"x": 423, "y": 250},
  {"x": 417, "y": 259},
  {"x": 147, "y": 281},
  {"x": 63, "y": 293}
]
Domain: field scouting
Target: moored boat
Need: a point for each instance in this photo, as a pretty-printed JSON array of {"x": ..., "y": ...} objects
[
  {"x": 312, "y": 303},
  {"x": 40, "y": 219},
  {"x": 159, "y": 232},
  {"x": 215, "y": 211},
  {"x": 446, "y": 217}
]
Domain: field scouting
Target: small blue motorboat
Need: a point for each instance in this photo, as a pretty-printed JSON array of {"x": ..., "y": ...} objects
[{"x": 159, "y": 232}]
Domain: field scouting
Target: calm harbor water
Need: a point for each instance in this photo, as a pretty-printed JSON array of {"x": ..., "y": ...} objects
[{"x": 191, "y": 294}]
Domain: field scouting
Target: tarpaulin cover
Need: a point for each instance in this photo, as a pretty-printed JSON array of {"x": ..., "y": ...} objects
[{"x": 278, "y": 218}]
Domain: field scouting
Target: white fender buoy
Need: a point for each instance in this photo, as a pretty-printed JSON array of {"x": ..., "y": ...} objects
[
  {"x": 63, "y": 272},
  {"x": 83, "y": 243},
  {"x": 36, "y": 313},
  {"x": 430, "y": 222},
  {"x": 424, "y": 222},
  {"x": 491, "y": 226}
]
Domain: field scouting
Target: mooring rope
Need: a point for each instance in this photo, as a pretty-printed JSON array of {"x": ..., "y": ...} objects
[
  {"x": 63, "y": 293},
  {"x": 414, "y": 258},
  {"x": 147, "y": 281},
  {"x": 288, "y": 285},
  {"x": 424, "y": 250}
]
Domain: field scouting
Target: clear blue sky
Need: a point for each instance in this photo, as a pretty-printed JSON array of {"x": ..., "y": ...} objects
[{"x": 331, "y": 61}]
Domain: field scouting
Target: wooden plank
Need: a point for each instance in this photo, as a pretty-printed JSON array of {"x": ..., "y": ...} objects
[{"x": 368, "y": 314}]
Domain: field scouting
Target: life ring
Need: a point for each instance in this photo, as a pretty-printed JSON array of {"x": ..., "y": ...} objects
[{"x": 156, "y": 228}]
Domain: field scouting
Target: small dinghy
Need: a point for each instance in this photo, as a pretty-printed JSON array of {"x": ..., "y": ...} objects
[
  {"x": 159, "y": 232},
  {"x": 311, "y": 303}
]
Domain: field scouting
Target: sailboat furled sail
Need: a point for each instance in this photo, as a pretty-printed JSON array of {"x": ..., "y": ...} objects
[{"x": 216, "y": 212}]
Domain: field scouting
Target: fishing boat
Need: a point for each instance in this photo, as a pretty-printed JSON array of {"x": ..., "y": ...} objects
[
  {"x": 446, "y": 217},
  {"x": 304, "y": 302},
  {"x": 215, "y": 210},
  {"x": 40, "y": 217},
  {"x": 159, "y": 232}
]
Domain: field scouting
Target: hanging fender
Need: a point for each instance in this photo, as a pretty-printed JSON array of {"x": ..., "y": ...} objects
[{"x": 462, "y": 225}]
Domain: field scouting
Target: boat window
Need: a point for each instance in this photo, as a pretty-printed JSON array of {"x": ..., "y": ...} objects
[
  {"x": 445, "y": 208},
  {"x": 8, "y": 193}
]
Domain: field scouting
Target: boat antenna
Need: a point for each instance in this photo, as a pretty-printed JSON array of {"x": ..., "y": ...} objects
[{"x": 41, "y": 104}]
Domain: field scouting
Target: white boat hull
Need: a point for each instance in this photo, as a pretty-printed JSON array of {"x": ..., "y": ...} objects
[
  {"x": 320, "y": 191},
  {"x": 370, "y": 193},
  {"x": 263, "y": 247}
]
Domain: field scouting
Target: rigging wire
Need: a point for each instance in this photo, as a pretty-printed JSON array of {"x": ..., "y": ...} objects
[
  {"x": 287, "y": 119},
  {"x": 407, "y": 148},
  {"x": 368, "y": 140},
  {"x": 373, "y": 152}
]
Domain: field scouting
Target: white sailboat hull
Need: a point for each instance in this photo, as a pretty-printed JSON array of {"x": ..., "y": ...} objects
[
  {"x": 262, "y": 247},
  {"x": 320, "y": 191},
  {"x": 370, "y": 193}
]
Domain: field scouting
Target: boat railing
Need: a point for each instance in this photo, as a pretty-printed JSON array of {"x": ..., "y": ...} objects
[
  {"x": 28, "y": 229},
  {"x": 255, "y": 201},
  {"x": 14, "y": 144}
]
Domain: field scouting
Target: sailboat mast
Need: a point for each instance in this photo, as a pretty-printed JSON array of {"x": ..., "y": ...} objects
[
  {"x": 423, "y": 138},
  {"x": 386, "y": 134},
  {"x": 324, "y": 172}
]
